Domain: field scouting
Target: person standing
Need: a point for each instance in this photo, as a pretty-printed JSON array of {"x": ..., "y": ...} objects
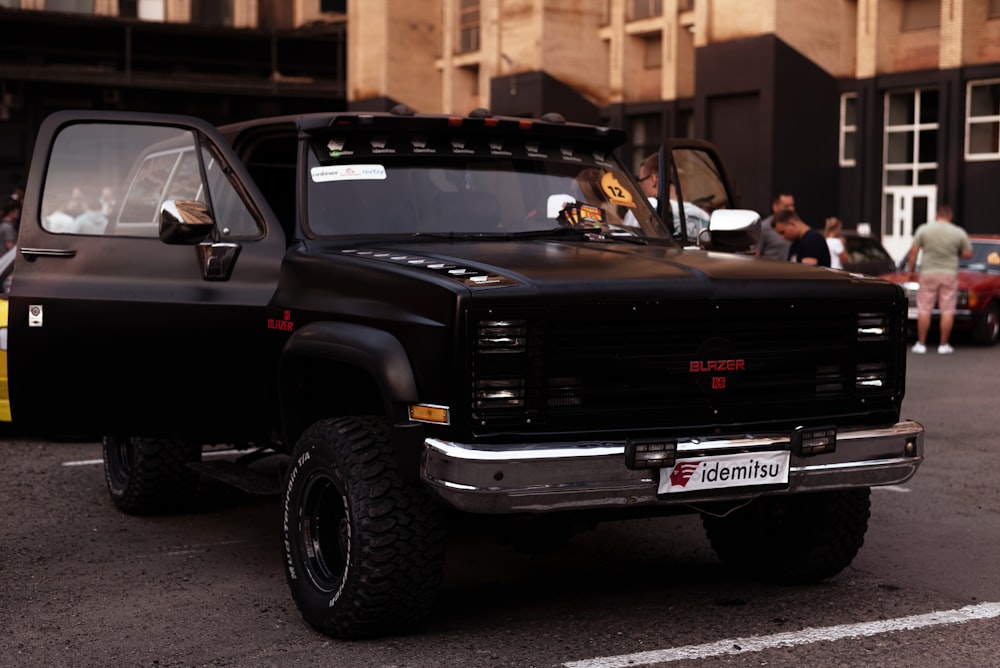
[
  {"x": 806, "y": 245},
  {"x": 942, "y": 243},
  {"x": 9, "y": 221},
  {"x": 772, "y": 244},
  {"x": 834, "y": 233}
]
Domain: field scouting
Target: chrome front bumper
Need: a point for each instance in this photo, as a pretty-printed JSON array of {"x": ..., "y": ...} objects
[{"x": 544, "y": 477}]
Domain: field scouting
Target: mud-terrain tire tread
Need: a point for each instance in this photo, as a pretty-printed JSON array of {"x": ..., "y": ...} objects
[
  {"x": 147, "y": 476},
  {"x": 393, "y": 571},
  {"x": 792, "y": 540}
]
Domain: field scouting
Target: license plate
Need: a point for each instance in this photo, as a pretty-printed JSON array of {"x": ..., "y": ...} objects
[{"x": 723, "y": 471}]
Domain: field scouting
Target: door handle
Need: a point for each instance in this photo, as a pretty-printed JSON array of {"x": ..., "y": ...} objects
[{"x": 31, "y": 254}]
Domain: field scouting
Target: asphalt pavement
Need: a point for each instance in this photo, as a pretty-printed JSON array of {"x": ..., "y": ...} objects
[{"x": 82, "y": 584}]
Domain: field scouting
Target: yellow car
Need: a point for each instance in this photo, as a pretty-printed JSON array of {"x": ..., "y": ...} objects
[{"x": 6, "y": 266}]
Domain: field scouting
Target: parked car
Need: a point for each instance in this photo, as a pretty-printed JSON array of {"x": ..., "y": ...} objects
[
  {"x": 866, "y": 255},
  {"x": 6, "y": 268},
  {"x": 978, "y": 310}
]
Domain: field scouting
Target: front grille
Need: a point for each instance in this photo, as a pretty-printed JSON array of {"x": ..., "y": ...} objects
[{"x": 704, "y": 366}]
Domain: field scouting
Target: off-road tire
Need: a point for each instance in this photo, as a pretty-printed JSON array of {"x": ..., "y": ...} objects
[
  {"x": 797, "y": 539},
  {"x": 149, "y": 476},
  {"x": 364, "y": 549},
  {"x": 987, "y": 330}
]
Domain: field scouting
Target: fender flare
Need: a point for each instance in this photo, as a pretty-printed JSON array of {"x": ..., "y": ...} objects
[{"x": 377, "y": 352}]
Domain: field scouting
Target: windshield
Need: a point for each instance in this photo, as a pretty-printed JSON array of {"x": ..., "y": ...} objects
[
  {"x": 450, "y": 186},
  {"x": 985, "y": 257}
]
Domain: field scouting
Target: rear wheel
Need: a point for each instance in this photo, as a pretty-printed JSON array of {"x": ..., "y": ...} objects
[
  {"x": 148, "y": 475},
  {"x": 987, "y": 330},
  {"x": 796, "y": 539},
  {"x": 364, "y": 549}
]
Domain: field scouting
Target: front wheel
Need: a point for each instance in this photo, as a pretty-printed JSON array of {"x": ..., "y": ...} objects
[
  {"x": 147, "y": 475},
  {"x": 987, "y": 330},
  {"x": 364, "y": 549},
  {"x": 795, "y": 539}
]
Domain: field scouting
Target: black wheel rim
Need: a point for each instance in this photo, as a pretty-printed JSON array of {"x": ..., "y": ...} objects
[{"x": 326, "y": 533}]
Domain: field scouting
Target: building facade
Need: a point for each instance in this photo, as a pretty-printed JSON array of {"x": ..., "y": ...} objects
[
  {"x": 222, "y": 60},
  {"x": 871, "y": 110}
]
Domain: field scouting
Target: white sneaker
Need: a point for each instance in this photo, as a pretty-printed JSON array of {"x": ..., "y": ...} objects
[
  {"x": 919, "y": 348},
  {"x": 945, "y": 349}
]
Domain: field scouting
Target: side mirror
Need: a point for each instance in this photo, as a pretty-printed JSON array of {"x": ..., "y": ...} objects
[
  {"x": 185, "y": 222},
  {"x": 733, "y": 229}
]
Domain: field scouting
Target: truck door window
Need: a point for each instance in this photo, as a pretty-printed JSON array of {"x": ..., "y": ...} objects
[
  {"x": 699, "y": 180},
  {"x": 111, "y": 179}
]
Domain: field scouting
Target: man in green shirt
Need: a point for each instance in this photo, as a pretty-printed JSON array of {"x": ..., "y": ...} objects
[{"x": 943, "y": 243}]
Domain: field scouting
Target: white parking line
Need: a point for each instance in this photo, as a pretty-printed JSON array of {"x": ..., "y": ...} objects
[
  {"x": 899, "y": 489},
  {"x": 792, "y": 638},
  {"x": 209, "y": 454}
]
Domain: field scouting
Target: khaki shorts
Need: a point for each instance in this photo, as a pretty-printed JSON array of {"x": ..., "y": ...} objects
[{"x": 938, "y": 288}]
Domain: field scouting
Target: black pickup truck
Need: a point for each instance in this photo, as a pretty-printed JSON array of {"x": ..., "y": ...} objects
[{"x": 439, "y": 318}]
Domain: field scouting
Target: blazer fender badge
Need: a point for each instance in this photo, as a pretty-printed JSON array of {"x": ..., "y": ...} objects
[{"x": 285, "y": 324}]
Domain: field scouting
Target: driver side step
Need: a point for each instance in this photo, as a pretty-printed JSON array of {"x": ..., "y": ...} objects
[{"x": 240, "y": 477}]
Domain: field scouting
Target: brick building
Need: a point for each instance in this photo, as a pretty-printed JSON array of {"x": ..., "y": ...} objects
[
  {"x": 223, "y": 60},
  {"x": 872, "y": 110}
]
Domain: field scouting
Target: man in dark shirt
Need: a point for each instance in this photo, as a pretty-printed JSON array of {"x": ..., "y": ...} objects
[{"x": 808, "y": 245}]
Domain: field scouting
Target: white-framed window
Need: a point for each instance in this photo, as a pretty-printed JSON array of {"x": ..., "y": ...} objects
[
  {"x": 982, "y": 120},
  {"x": 911, "y": 137},
  {"x": 848, "y": 129}
]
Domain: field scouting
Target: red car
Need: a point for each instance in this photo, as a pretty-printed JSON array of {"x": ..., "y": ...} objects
[{"x": 978, "y": 290}]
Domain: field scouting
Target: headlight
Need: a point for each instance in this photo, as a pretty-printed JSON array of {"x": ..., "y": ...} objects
[
  {"x": 502, "y": 336},
  {"x": 873, "y": 326},
  {"x": 499, "y": 393}
]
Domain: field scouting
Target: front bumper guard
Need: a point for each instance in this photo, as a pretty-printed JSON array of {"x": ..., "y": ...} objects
[{"x": 545, "y": 477}]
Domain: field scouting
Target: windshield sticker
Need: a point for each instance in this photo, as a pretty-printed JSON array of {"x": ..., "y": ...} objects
[
  {"x": 617, "y": 195},
  {"x": 348, "y": 173},
  {"x": 993, "y": 258}
]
